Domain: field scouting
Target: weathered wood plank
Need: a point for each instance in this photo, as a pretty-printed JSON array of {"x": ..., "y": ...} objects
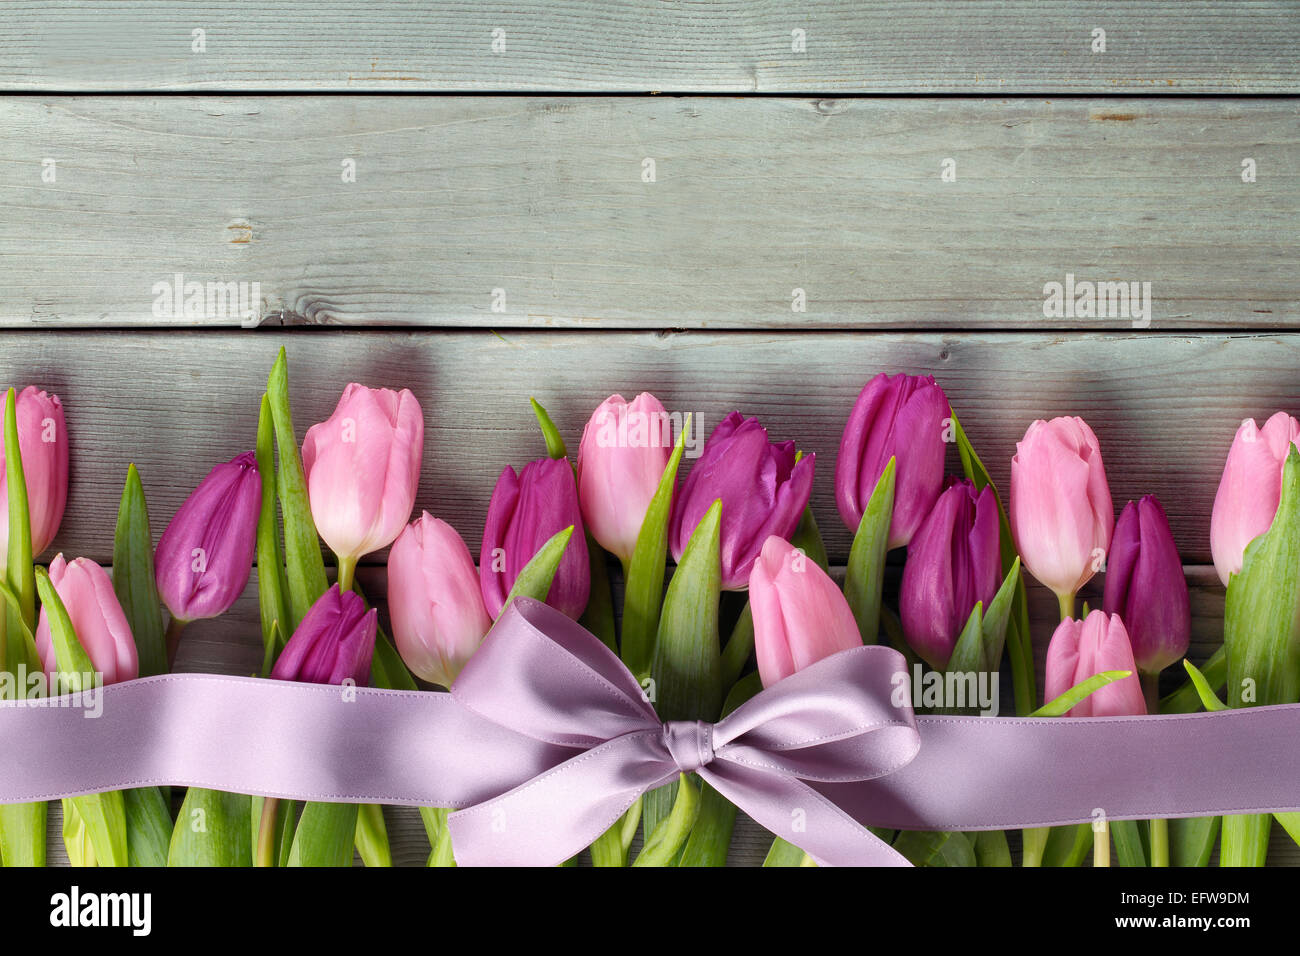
[
  {"x": 990, "y": 46},
  {"x": 1164, "y": 407},
  {"x": 505, "y": 212}
]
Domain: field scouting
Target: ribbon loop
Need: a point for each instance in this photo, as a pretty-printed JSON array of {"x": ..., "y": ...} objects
[{"x": 689, "y": 743}]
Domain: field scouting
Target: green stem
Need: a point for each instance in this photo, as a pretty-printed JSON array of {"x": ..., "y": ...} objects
[
  {"x": 1066, "y": 602},
  {"x": 1101, "y": 845},
  {"x": 172, "y": 638},
  {"x": 266, "y": 833},
  {"x": 1159, "y": 832},
  {"x": 347, "y": 570}
]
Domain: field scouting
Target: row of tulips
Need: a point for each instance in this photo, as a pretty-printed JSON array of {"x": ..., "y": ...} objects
[{"x": 749, "y": 560}]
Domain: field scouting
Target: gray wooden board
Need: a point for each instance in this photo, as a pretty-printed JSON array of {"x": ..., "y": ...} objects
[
  {"x": 1165, "y": 407},
  {"x": 506, "y": 212},
  {"x": 990, "y": 46}
]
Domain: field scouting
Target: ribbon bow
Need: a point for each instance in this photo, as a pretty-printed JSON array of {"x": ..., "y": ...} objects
[{"x": 545, "y": 677}]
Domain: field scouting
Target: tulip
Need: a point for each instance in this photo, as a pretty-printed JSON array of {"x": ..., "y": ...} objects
[
  {"x": 1061, "y": 516},
  {"x": 334, "y": 642},
  {"x": 800, "y": 616},
  {"x": 97, "y": 618},
  {"x": 901, "y": 417},
  {"x": 1083, "y": 649},
  {"x": 1250, "y": 489},
  {"x": 434, "y": 600},
  {"x": 624, "y": 451},
  {"x": 526, "y": 511},
  {"x": 363, "y": 467},
  {"x": 762, "y": 489},
  {"x": 954, "y": 561},
  {"x": 1145, "y": 586},
  {"x": 43, "y": 442},
  {"x": 205, "y": 556}
]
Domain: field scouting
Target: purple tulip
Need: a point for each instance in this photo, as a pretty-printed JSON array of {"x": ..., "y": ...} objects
[
  {"x": 762, "y": 489},
  {"x": 1145, "y": 586},
  {"x": 953, "y": 562},
  {"x": 525, "y": 512},
  {"x": 206, "y": 554},
  {"x": 334, "y": 642},
  {"x": 900, "y": 417}
]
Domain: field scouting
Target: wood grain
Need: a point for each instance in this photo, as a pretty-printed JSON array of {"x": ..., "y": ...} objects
[
  {"x": 504, "y": 212},
  {"x": 1165, "y": 407},
  {"x": 991, "y": 46}
]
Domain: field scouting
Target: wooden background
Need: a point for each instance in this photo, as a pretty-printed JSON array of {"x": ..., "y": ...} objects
[{"x": 500, "y": 237}]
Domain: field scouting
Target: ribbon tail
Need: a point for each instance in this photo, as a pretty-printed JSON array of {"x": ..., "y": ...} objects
[
  {"x": 559, "y": 813},
  {"x": 798, "y": 814}
]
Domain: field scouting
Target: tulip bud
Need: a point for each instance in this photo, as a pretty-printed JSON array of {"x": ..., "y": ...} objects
[
  {"x": 434, "y": 600},
  {"x": 525, "y": 512},
  {"x": 97, "y": 617},
  {"x": 363, "y": 467},
  {"x": 205, "y": 556},
  {"x": 1061, "y": 514},
  {"x": 762, "y": 489},
  {"x": 953, "y": 562},
  {"x": 624, "y": 451},
  {"x": 901, "y": 417},
  {"x": 334, "y": 642},
  {"x": 1249, "y": 489},
  {"x": 1145, "y": 586},
  {"x": 1083, "y": 649},
  {"x": 43, "y": 442},
  {"x": 800, "y": 616}
]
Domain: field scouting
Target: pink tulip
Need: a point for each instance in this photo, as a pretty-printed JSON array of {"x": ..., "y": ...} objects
[
  {"x": 625, "y": 448},
  {"x": 1061, "y": 514},
  {"x": 1250, "y": 489},
  {"x": 97, "y": 617},
  {"x": 800, "y": 616},
  {"x": 43, "y": 441},
  {"x": 1082, "y": 649},
  {"x": 434, "y": 600},
  {"x": 363, "y": 467}
]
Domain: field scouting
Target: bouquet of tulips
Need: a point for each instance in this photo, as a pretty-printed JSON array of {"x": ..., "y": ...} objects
[{"x": 934, "y": 569}]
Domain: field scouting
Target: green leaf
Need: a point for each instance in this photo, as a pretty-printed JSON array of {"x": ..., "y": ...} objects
[
  {"x": 1018, "y": 635},
  {"x": 148, "y": 826},
  {"x": 1203, "y": 689},
  {"x": 387, "y": 669},
  {"x": 104, "y": 816},
  {"x": 1261, "y": 633},
  {"x": 1062, "y": 705},
  {"x": 865, "y": 575},
  {"x": 535, "y": 579},
  {"x": 1127, "y": 837},
  {"x": 305, "y": 567},
  {"x": 133, "y": 576},
  {"x": 554, "y": 441},
  {"x": 1290, "y": 823},
  {"x": 998, "y": 617},
  {"x": 686, "y": 667},
  {"x": 783, "y": 853},
  {"x": 807, "y": 538},
  {"x": 272, "y": 586},
  {"x": 667, "y": 839},
  {"x": 18, "y": 557},
  {"x": 213, "y": 828},
  {"x": 325, "y": 835},
  {"x": 1187, "y": 700},
  {"x": 644, "y": 575},
  {"x": 371, "y": 837},
  {"x": 1191, "y": 840},
  {"x": 991, "y": 848},
  {"x": 739, "y": 647},
  {"x": 932, "y": 848},
  {"x": 968, "y": 654},
  {"x": 1068, "y": 846}
]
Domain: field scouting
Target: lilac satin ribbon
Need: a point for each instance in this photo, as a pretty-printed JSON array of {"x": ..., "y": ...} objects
[{"x": 547, "y": 740}]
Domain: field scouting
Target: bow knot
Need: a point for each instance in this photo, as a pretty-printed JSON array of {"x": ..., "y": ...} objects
[
  {"x": 689, "y": 743},
  {"x": 783, "y": 757}
]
